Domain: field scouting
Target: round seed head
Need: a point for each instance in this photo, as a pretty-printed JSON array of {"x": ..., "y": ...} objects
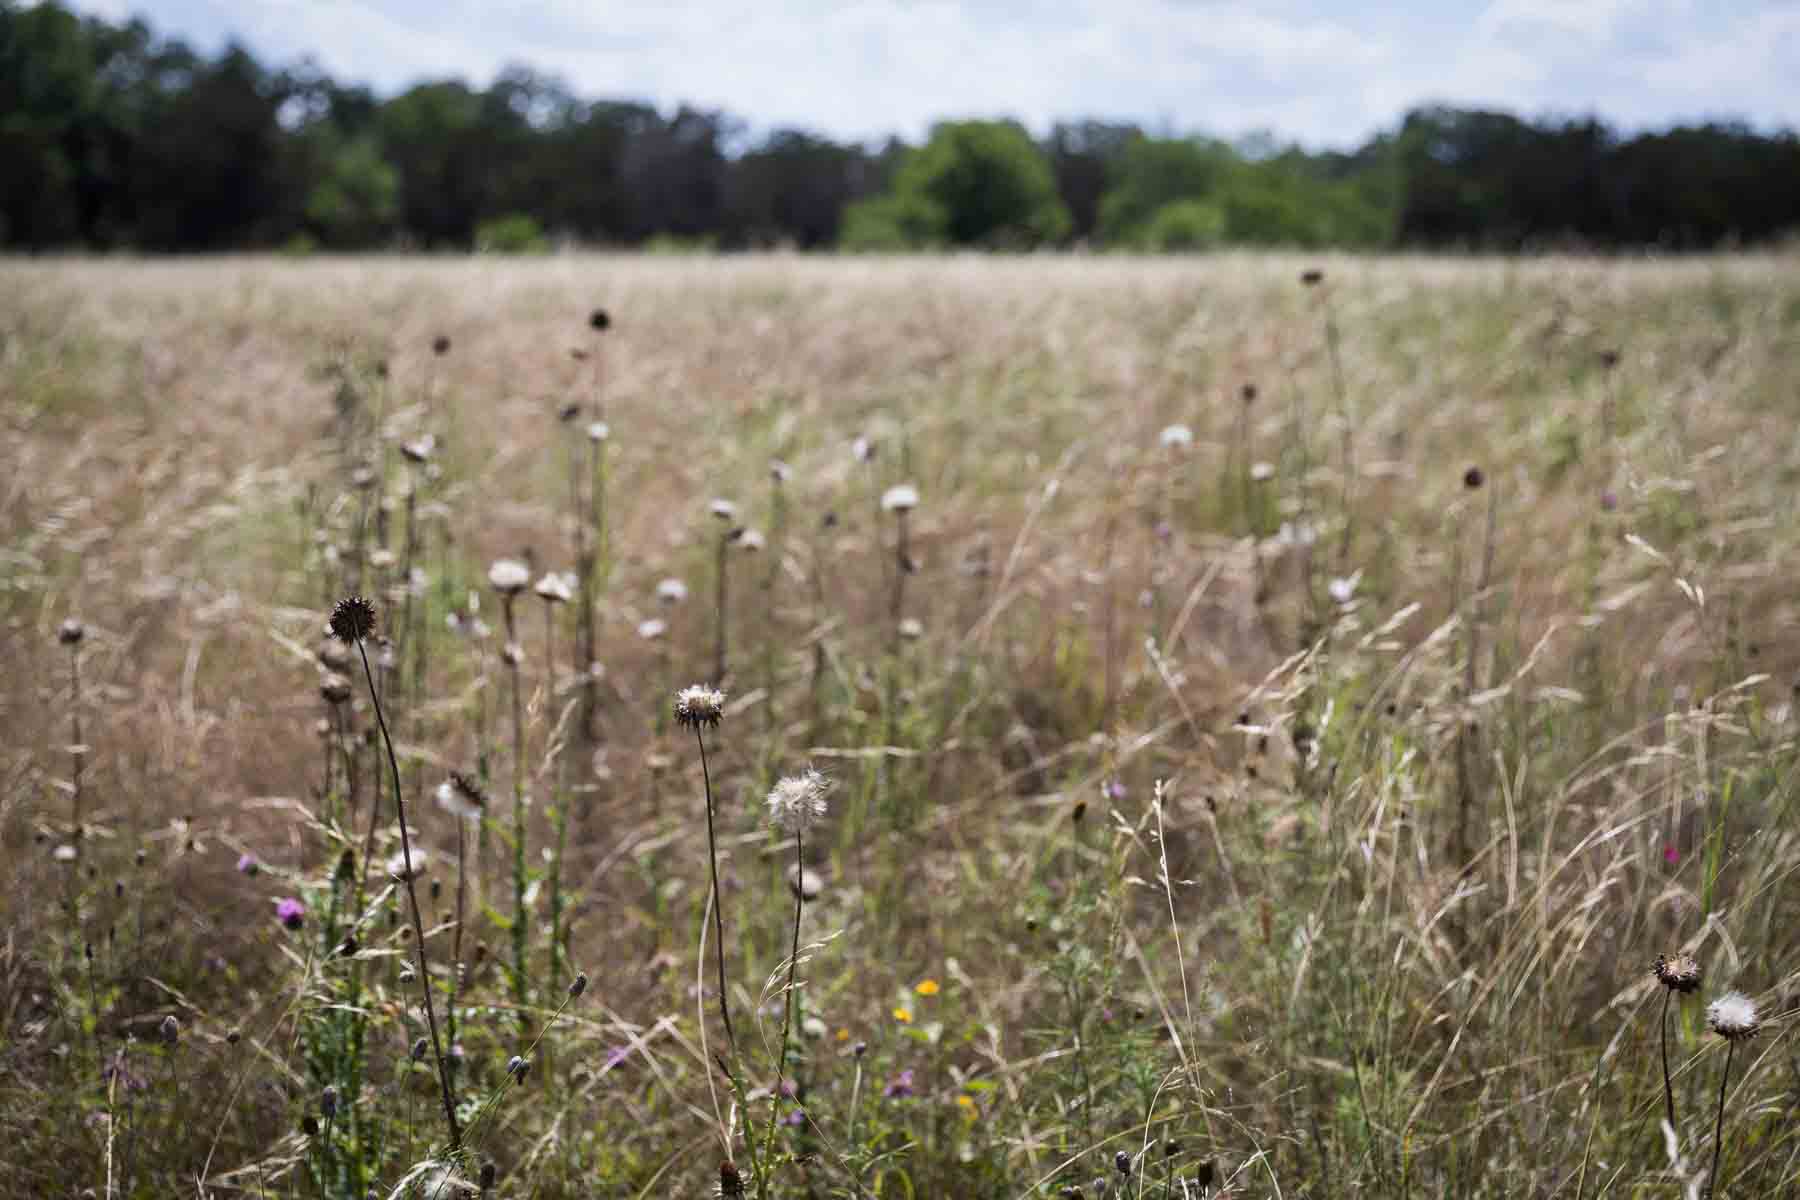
[
  {"x": 902, "y": 497},
  {"x": 1679, "y": 973},
  {"x": 419, "y": 1050},
  {"x": 579, "y": 986},
  {"x": 1733, "y": 1016},
  {"x": 518, "y": 1067},
  {"x": 461, "y": 796},
  {"x": 70, "y": 632},
  {"x": 509, "y": 576},
  {"x": 699, "y": 705},
  {"x": 798, "y": 801},
  {"x": 352, "y": 619}
]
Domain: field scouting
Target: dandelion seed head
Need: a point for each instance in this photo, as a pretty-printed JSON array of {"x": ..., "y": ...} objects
[
  {"x": 798, "y": 801},
  {"x": 1733, "y": 1016},
  {"x": 699, "y": 705},
  {"x": 352, "y": 619}
]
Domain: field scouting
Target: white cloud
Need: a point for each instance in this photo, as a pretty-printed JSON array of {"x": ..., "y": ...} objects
[{"x": 1325, "y": 71}]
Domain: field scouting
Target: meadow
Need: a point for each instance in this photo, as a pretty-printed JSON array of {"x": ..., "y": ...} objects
[{"x": 1284, "y": 727}]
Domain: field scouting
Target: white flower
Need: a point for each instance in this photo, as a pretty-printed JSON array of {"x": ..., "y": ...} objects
[
  {"x": 1733, "y": 1016},
  {"x": 671, "y": 591},
  {"x": 902, "y": 497},
  {"x": 699, "y": 705},
  {"x": 1262, "y": 472},
  {"x": 1344, "y": 590},
  {"x": 652, "y": 629},
  {"x": 599, "y": 431},
  {"x": 556, "y": 587},
  {"x": 509, "y": 576},
  {"x": 1176, "y": 437},
  {"x": 725, "y": 510},
  {"x": 797, "y": 801}
]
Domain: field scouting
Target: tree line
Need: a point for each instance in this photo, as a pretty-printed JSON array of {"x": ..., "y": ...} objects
[{"x": 112, "y": 137}]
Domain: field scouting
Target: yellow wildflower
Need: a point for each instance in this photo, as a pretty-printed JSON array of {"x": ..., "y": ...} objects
[
  {"x": 902, "y": 1015},
  {"x": 927, "y": 987}
]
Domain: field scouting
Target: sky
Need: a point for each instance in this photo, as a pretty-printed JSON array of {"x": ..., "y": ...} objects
[{"x": 1326, "y": 73}]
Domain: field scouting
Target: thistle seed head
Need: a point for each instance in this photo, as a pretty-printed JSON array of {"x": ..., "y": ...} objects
[
  {"x": 902, "y": 497},
  {"x": 1733, "y": 1016},
  {"x": 352, "y": 619},
  {"x": 699, "y": 705},
  {"x": 509, "y": 576},
  {"x": 70, "y": 632},
  {"x": 1679, "y": 973},
  {"x": 798, "y": 801}
]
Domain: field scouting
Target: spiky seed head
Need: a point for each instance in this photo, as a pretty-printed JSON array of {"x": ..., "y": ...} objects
[
  {"x": 1733, "y": 1016},
  {"x": 334, "y": 688},
  {"x": 798, "y": 801},
  {"x": 699, "y": 705},
  {"x": 1176, "y": 437},
  {"x": 70, "y": 632},
  {"x": 902, "y": 497},
  {"x": 731, "y": 1184},
  {"x": 1679, "y": 972},
  {"x": 723, "y": 509},
  {"x": 579, "y": 985},
  {"x": 599, "y": 320},
  {"x": 509, "y": 576},
  {"x": 352, "y": 619},
  {"x": 556, "y": 587},
  {"x": 461, "y": 796}
]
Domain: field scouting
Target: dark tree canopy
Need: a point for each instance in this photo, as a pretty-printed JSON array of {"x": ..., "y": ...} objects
[{"x": 114, "y": 137}]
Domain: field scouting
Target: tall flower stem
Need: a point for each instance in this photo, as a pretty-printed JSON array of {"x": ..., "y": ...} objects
[
  {"x": 724, "y": 561},
  {"x": 1668, "y": 1087},
  {"x": 412, "y": 897},
  {"x": 519, "y": 859},
  {"x": 1719, "y": 1123},
  {"x": 77, "y": 751},
  {"x": 787, "y": 994},
  {"x": 712, "y": 854}
]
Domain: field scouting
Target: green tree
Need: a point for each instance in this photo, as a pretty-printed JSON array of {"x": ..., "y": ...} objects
[
  {"x": 1154, "y": 172},
  {"x": 974, "y": 183},
  {"x": 356, "y": 202}
]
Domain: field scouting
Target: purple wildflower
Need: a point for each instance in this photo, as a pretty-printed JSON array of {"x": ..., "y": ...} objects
[
  {"x": 1114, "y": 790},
  {"x": 616, "y": 1056},
  {"x": 797, "y": 1117},
  {"x": 899, "y": 1087},
  {"x": 248, "y": 865},
  {"x": 290, "y": 912},
  {"x": 1671, "y": 855}
]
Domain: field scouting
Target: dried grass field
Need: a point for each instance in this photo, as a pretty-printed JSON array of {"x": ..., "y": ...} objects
[{"x": 1267, "y": 731}]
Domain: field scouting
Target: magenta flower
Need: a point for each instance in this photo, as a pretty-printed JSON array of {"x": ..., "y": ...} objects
[
  {"x": 1671, "y": 855},
  {"x": 290, "y": 912},
  {"x": 247, "y": 864}
]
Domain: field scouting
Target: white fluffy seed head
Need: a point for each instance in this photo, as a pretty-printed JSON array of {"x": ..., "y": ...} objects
[
  {"x": 556, "y": 587},
  {"x": 671, "y": 591},
  {"x": 1176, "y": 437},
  {"x": 798, "y": 801},
  {"x": 509, "y": 576},
  {"x": 699, "y": 705},
  {"x": 902, "y": 497},
  {"x": 723, "y": 509},
  {"x": 1733, "y": 1016}
]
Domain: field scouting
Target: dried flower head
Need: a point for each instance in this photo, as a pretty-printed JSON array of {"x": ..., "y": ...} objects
[
  {"x": 902, "y": 497},
  {"x": 779, "y": 471},
  {"x": 1473, "y": 478},
  {"x": 598, "y": 431},
  {"x": 334, "y": 688},
  {"x": 352, "y": 619},
  {"x": 671, "y": 591},
  {"x": 556, "y": 587},
  {"x": 911, "y": 629},
  {"x": 600, "y": 320},
  {"x": 170, "y": 1030},
  {"x": 579, "y": 985},
  {"x": 1733, "y": 1016},
  {"x": 518, "y": 1067},
  {"x": 798, "y": 801},
  {"x": 397, "y": 865},
  {"x": 723, "y": 509},
  {"x": 751, "y": 540},
  {"x": 1679, "y": 973},
  {"x": 70, "y": 632},
  {"x": 461, "y": 796},
  {"x": 1176, "y": 437},
  {"x": 440, "y": 344},
  {"x": 1312, "y": 277},
  {"x": 419, "y": 449},
  {"x": 328, "y": 1102},
  {"x": 509, "y": 576},
  {"x": 699, "y": 705}
]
